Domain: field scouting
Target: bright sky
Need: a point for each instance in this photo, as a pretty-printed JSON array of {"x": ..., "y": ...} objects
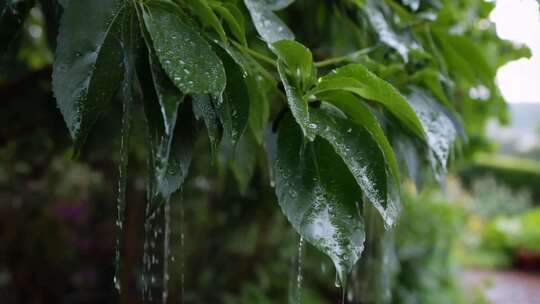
[{"x": 519, "y": 21}]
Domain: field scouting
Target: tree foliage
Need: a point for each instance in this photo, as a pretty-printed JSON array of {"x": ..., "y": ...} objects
[{"x": 347, "y": 98}]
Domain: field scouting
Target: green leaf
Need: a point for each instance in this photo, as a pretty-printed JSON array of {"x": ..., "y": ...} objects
[
  {"x": 297, "y": 103},
  {"x": 180, "y": 154},
  {"x": 202, "y": 9},
  {"x": 187, "y": 57},
  {"x": 439, "y": 128},
  {"x": 431, "y": 79},
  {"x": 362, "y": 156},
  {"x": 88, "y": 63},
  {"x": 233, "y": 105},
  {"x": 408, "y": 156},
  {"x": 170, "y": 152},
  {"x": 359, "y": 80},
  {"x": 267, "y": 23},
  {"x": 233, "y": 17},
  {"x": 168, "y": 95},
  {"x": 359, "y": 113},
  {"x": 258, "y": 106},
  {"x": 299, "y": 62},
  {"x": 464, "y": 56},
  {"x": 243, "y": 163},
  {"x": 386, "y": 34},
  {"x": 12, "y": 15},
  {"x": 318, "y": 196},
  {"x": 204, "y": 109}
]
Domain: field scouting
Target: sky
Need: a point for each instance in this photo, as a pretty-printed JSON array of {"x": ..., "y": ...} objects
[{"x": 519, "y": 21}]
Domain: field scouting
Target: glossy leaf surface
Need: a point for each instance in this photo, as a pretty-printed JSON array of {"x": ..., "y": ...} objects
[
  {"x": 362, "y": 156},
  {"x": 88, "y": 62},
  {"x": 319, "y": 196},
  {"x": 184, "y": 54}
]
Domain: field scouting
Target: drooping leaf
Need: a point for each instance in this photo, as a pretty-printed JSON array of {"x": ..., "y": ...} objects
[
  {"x": 233, "y": 17},
  {"x": 465, "y": 57},
  {"x": 408, "y": 155},
  {"x": 297, "y": 102},
  {"x": 170, "y": 153},
  {"x": 362, "y": 156},
  {"x": 129, "y": 35},
  {"x": 359, "y": 80},
  {"x": 202, "y": 9},
  {"x": 267, "y": 23},
  {"x": 181, "y": 152},
  {"x": 360, "y": 113},
  {"x": 88, "y": 63},
  {"x": 432, "y": 80},
  {"x": 258, "y": 106},
  {"x": 439, "y": 128},
  {"x": 168, "y": 95},
  {"x": 233, "y": 105},
  {"x": 204, "y": 109},
  {"x": 384, "y": 30},
  {"x": 12, "y": 16},
  {"x": 184, "y": 54},
  {"x": 244, "y": 160},
  {"x": 318, "y": 196}
]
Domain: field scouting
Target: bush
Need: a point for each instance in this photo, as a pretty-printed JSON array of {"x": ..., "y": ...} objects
[{"x": 518, "y": 174}]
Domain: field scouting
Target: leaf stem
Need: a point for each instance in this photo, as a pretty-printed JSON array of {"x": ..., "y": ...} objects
[
  {"x": 348, "y": 57},
  {"x": 255, "y": 54}
]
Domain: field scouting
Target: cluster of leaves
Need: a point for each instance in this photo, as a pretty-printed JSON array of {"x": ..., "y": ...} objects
[{"x": 339, "y": 138}]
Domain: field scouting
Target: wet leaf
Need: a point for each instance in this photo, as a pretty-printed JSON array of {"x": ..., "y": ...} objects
[
  {"x": 88, "y": 63},
  {"x": 297, "y": 102},
  {"x": 233, "y": 17},
  {"x": 359, "y": 113},
  {"x": 184, "y": 54},
  {"x": 299, "y": 62},
  {"x": 233, "y": 105},
  {"x": 258, "y": 106},
  {"x": 439, "y": 128},
  {"x": 181, "y": 152},
  {"x": 318, "y": 195},
  {"x": 359, "y": 80},
  {"x": 432, "y": 80},
  {"x": 464, "y": 57},
  {"x": 168, "y": 95},
  {"x": 267, "y": 23},
  {"x": 244, "y": 160},
  {"x": 170, "y": 153},
  {"x": 362, "y": 156},
  {"x": 202, "y": 9},
  {"x": 384, "y": 30},
  {"x": 204, "y": 109}
]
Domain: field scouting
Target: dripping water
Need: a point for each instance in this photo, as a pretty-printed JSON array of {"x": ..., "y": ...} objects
[
  {"x": 122, "y": 182},
  {"x": 296, "y": 278},
  {"x": 166, "y": 250},
  {"x": 182, "y": 250},
  {"x": 154, "y": 262},
  {"x": 299, "y": 277}
]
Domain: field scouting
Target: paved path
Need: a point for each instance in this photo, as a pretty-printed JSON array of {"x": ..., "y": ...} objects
[{"x": 505, "y": 286}]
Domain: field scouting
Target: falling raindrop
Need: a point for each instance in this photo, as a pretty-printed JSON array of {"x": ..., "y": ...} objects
[
  {"x": 296, "y": 279},
  {"x": 166, "y": 251}
]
